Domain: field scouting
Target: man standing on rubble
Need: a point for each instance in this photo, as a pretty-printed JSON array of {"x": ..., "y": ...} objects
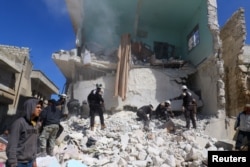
[
  {"x": 60, "y": 103},
  {"x": 143, "y": 113},
  {"x": 50, "y": 118},
  {"x": 243, "y": 125},
  {"x": 91, "y": 99},
  {"x": 96, "y": 105},
  {"x": 187, "y": 106}
]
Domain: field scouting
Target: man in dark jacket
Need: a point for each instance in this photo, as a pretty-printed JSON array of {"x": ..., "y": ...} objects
[
  {"x": 243, "y": 125},
  {"x": 163, "y": 110},
  {"x": 96, "y": 104},
  {"x": 22, "y": 141},
  {"x": 188, "y": 106},
  {"x": 60, "y": 103},
  {"x": 143, "y": 113},
  {"x": 91, "y": 100},
  {"x": 50, "y": 118}
]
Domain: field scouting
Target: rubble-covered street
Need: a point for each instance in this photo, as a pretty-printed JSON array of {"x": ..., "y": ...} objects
[{"x": 124, "y": 143}]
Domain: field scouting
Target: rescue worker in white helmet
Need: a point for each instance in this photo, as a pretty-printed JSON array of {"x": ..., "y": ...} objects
[
  {"x": 96, "y": 104},
  {"x": 188, "y": 106},
  {"x": 163, "y": 111}
]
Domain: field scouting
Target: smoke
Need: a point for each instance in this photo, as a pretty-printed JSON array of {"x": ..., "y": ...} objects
[
  {"x": 101, "y": 22},
  {"x": 93, "y": 20},
  {"x": 75, "y": 8},
  {"x": 56, "y": 7}
]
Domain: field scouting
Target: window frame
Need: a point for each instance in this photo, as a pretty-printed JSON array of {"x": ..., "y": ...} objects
[{"x": 194, "y": 38}]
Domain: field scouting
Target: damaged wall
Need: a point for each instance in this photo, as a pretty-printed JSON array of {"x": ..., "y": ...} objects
[
  {"x": 19, "y": 57},
  {"x": 208, "y": 79},
  {"x": 205, "y": 46},
  {"x": 233, "y": 35},
  {"x": 161, "y": 85}
]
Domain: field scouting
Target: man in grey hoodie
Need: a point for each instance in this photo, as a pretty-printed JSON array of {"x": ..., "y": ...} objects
[{"x": 22, "y": 141}]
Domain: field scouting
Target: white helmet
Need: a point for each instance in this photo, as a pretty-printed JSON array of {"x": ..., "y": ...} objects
[
  {"x": 63, "y": 95},
  {"x": 168, "y": 101},
  {"x": 184, "y": 87}
]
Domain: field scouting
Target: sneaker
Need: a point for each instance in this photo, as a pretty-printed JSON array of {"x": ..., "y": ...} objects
[
  {"x": 243, "y": 148},
  {"x": 51, "y": 153},
  {"x": 42, "y": 154},
  {"x": 236, "y": 149},
  {"x": 103, "y": 126},
  {"x": 146, "y": 128}
]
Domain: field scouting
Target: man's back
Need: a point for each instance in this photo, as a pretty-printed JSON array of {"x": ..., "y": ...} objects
[
  {"x": 91, "y": 96},
  {"x": 51, "y": 115},
  {"x": 187, "y": 98}
]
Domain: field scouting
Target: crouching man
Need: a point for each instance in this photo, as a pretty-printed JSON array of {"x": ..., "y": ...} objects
[
  {"x": 145, "y": 114},
  {"x": 163, "y": 111}
]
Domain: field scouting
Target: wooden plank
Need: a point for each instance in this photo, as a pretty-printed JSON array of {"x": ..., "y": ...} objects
[
  {"x": 123, "y": 67},
  {"x": 125, "y": 71},
  {"x": 118, "y": 72}
]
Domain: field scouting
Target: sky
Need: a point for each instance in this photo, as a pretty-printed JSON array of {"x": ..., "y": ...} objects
[
  {"x": 44, "y": 27},
  {"x": 41, "y": 25}
]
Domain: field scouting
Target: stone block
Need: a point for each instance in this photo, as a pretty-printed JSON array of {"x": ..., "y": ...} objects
[{"x": 225, "y": 145}]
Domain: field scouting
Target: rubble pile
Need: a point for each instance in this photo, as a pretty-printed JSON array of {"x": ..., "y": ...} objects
[{"x": 124, "y": 143}]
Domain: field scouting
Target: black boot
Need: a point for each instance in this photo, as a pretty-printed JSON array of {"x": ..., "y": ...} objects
[
  {"x": 51, "y": 152},
  {"x": 43, "y": 153}
]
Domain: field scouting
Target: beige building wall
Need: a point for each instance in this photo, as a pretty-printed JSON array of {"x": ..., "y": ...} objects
[
  {"x": 16, "y": 82},
  {"x": 208, "y": 79},
  {"x": 20, "y": 58},
  {"x": 233, "y": 35},
  {"x": 236, "y": 75}
]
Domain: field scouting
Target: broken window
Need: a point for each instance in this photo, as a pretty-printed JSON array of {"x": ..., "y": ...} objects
[
  {"x": 163, "y": 50},
  {"x": 193, "y": 38},
  {"x": 141, "y": 51}
]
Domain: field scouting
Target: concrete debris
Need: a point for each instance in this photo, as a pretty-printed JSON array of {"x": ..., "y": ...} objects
[{"x": 124, "y": 143}]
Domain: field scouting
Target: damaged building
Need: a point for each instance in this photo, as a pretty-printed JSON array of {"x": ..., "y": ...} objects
[
  {"x": 18, "y": 81},
  {"x": 142, "y": 52}
]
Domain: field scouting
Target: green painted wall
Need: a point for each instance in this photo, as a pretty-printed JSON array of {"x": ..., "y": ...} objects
[
  {"x": 161, "y": 34},
  {"x": 179, "y": 37},
  {"x": 105, "y": 27},
  {"x": 205, "y": 47}
]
